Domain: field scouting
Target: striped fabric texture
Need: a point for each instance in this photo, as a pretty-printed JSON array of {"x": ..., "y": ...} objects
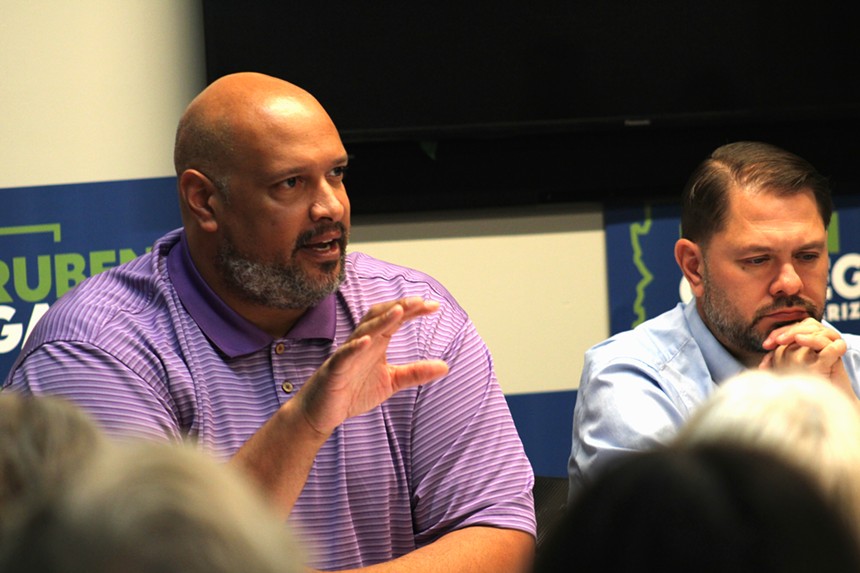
[{"x": 130, "y": 346}]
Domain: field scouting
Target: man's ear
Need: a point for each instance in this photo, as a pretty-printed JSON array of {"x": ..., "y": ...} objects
[
  {"x": 198, "y": 197},
  {"x": 690, "y": 258}
]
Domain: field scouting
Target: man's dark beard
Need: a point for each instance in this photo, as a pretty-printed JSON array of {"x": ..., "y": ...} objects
[
  {"x": 281, "y": 285},
  {"x": 721, "y": 317}
]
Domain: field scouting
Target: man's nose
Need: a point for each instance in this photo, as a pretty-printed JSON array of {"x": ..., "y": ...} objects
[{"x": 787, "y": 282}]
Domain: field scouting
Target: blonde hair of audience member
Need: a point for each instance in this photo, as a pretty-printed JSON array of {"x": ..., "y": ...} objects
[
  {"x": 800, "y": 417},
  {"x": 43, "y": 441},
  {"x": 155, "y": 508}
]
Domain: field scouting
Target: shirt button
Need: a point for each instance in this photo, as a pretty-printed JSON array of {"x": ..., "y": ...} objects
[
  {"x": 279, "y": 348},
  {"x": 287, "y": 386}
]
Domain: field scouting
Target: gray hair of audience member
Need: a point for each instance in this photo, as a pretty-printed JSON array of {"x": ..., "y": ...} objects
[
  {"x": 43, "y": 441},
  {"x": 155, "y": 508},
  {"x": 799, "y": 417}
]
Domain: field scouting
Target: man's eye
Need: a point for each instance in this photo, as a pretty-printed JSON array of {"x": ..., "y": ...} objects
[
  {"x": 338, "y": 172},
  {"x": 291, "y": 182},
  {"x": 757, "y": 260}
]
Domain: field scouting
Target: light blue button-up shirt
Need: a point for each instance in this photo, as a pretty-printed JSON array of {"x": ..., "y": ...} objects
[{"x": 638, "y": 387}]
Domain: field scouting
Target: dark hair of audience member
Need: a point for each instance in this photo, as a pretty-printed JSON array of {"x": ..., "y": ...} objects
[{"x": 709, "y": 508}]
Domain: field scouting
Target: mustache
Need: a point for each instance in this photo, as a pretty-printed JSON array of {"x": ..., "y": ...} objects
[
  {"x": 793, "y": 301},
  {"x": 312, "y": 236}
]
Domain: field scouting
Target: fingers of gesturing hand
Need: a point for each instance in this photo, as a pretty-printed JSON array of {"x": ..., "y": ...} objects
[
  {"x": 351, "y": 361},
  {"x": 412, "y": 307},
  {"x": 386, "y": 318},
  {"x": 357, "y": 377},
  {"x": 416, "y": 373}
]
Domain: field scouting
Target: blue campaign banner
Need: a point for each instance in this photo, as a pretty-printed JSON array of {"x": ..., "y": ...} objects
[
  {"x": 642, "y": 275},
  {"x": 52, "y": 237},
  {"x": 543, "y": 421},
  {"x": 644, "y": 279}
]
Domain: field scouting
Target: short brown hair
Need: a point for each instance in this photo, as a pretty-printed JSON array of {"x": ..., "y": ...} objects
[{"x": 745, "y": 164}]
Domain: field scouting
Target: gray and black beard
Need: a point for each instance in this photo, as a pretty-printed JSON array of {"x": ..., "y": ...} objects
[
  {"x": 279, "y": 285},
  {"x": 724, "y": 320}
]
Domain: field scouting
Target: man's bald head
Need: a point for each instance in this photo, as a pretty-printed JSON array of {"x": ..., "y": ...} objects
[{"x": 220, "y": 120}]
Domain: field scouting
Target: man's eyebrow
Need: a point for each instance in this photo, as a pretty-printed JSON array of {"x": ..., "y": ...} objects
[
  {"x": 813, "y": 245},
  {"x": 763, "y": 248},
  {"x": 299, "y": 168}
]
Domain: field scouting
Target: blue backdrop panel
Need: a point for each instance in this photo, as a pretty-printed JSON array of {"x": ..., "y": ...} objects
[
  {"x": 544, "y": 421},
  {"x": 642, "y": 275},
  {"x": 52, "y": 237}
]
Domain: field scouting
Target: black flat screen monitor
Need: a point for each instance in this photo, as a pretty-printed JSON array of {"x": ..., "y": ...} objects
[{"x": 440, "y": 85}]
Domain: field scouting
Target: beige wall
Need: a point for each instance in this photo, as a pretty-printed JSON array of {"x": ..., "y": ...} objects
[
  {"x": 532, "y": 279},
  {"x": 91, "y": 91}
]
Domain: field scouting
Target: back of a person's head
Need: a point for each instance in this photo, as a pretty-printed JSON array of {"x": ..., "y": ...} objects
[
  {"x": 154, "y": 508},
  {"x": 802, "y": 418},
  {"x": 706, "y": 509},
  {"x": 43, "y": 442}
]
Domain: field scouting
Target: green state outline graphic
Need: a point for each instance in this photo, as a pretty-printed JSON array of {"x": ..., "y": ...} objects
[{"x": 637, "y": 230}]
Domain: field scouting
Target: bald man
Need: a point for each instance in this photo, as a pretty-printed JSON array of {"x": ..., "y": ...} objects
[{"x": 356, "y": 392}]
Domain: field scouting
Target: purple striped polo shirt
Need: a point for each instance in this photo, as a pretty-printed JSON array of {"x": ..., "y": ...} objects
[{"x": 149, "y": 350}]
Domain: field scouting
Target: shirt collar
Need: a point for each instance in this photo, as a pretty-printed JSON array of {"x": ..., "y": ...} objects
[
  {"x": 721, "y": 364},
  {"x": 225, "y": 328}
]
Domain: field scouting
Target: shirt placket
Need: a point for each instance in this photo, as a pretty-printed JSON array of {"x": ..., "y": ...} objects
[{"x": 284, "y": 373}]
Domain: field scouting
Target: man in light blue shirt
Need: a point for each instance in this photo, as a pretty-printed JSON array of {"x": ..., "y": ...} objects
[{"x": 754, "y": 252}]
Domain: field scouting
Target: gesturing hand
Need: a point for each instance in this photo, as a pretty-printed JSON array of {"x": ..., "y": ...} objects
[{"x": 357, "y": 377}]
